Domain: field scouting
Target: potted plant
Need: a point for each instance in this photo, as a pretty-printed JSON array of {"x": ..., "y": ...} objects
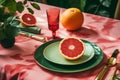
[{"x": 9, "y": 20}]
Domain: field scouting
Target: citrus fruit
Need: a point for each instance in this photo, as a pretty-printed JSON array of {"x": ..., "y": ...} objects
[
  {"x": 71, "y": 48},
  {"x": 72, "y": 19},
  {"x": 28, "y": 19}
]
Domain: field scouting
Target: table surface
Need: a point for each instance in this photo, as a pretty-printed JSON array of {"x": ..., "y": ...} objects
[{"x": 102, "y": 31}]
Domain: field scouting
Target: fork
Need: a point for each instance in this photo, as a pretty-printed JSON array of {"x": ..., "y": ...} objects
[
  {"x": 114, "y": 73},
  {"x": 111, "y": 62}
]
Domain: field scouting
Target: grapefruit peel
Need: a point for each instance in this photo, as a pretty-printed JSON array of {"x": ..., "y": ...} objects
[
  {"x": 72, "y": 19},
  {"x": 71, "y": 47}
]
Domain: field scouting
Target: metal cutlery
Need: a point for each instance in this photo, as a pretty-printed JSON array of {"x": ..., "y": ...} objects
[
  {"x": 111, "y": 61},
  {"x": 114, "y": 73},
  {"x": 31, "y": 35}
]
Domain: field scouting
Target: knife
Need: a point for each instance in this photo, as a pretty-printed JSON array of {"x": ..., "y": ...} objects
[
  {"x": 110, "y": 62},
  {"x": 33, "y": 36}
]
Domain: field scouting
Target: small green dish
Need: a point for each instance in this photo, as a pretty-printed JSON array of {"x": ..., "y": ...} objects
[
  {"x": 40, "y": 59},
  {"x": 52, "y": 54}
]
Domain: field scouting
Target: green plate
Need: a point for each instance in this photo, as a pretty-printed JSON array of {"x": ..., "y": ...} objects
[
  {"x": 52, "y": 53},
  {"x": 40, "y": 59}
]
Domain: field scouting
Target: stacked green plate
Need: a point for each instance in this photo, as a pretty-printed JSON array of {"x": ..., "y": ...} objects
[{"x": 49, "y": 57}]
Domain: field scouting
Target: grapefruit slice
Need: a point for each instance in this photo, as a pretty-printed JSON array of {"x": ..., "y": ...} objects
[
  {"x": 28, "y": 19},
  {"x": 71, "y": 48}
]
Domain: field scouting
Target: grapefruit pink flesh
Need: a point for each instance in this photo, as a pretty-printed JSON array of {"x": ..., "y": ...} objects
[
  {"x": 28, "y": 19},
  {"x": 71, "y": 48}
]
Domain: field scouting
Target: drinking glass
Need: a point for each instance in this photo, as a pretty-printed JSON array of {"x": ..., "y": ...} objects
[{"x": 53, "y": 20}]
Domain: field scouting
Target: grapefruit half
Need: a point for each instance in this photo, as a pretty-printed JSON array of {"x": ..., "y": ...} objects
[
  {"x": 28, "y": 19},
  {"x": 71, "y": 48}
]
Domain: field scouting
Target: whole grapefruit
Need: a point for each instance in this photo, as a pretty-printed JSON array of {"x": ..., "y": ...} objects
[
  {"x": 28, "y": 19},
  {"x": 72, "y": 18},
  {"x": 71, "y": 48}
]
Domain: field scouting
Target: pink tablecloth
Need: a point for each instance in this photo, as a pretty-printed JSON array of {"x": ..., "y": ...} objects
[{"x": 19, "y": 60}]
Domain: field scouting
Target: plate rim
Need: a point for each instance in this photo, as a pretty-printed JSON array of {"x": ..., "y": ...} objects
[
  {"x": 73, "y": 71},
  {"x": 73, "y": 61}
]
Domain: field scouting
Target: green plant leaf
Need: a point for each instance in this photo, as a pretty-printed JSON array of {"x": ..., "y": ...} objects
[
  {"x": 1, "y": 14},
  {"x": 10, "y": 27},
  {"x": 82, "y": 4},
  {"x": 2, "y": 35},
  {"x": 8, "y": 20},
  {"x": 35, "y": 5},
  {"x": 30, "y": 10},
  {"x": 11, "y": 31},
  {"x": 103, "y": 13},
  {"x": 91, "y": 8},
  {"x": 20, "y": 6},
  {"x": 11, "y": 5},
  {"x": 25, "y": 2},
  {"x": 2, "y": 1},
  {"x": 15, "y": 23},
  {"x": 5, "y": 2},
  {"x": 106, "y": 3}
]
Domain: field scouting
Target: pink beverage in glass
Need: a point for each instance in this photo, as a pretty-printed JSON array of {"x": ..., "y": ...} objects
[{"x": 53, "y": 20}]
